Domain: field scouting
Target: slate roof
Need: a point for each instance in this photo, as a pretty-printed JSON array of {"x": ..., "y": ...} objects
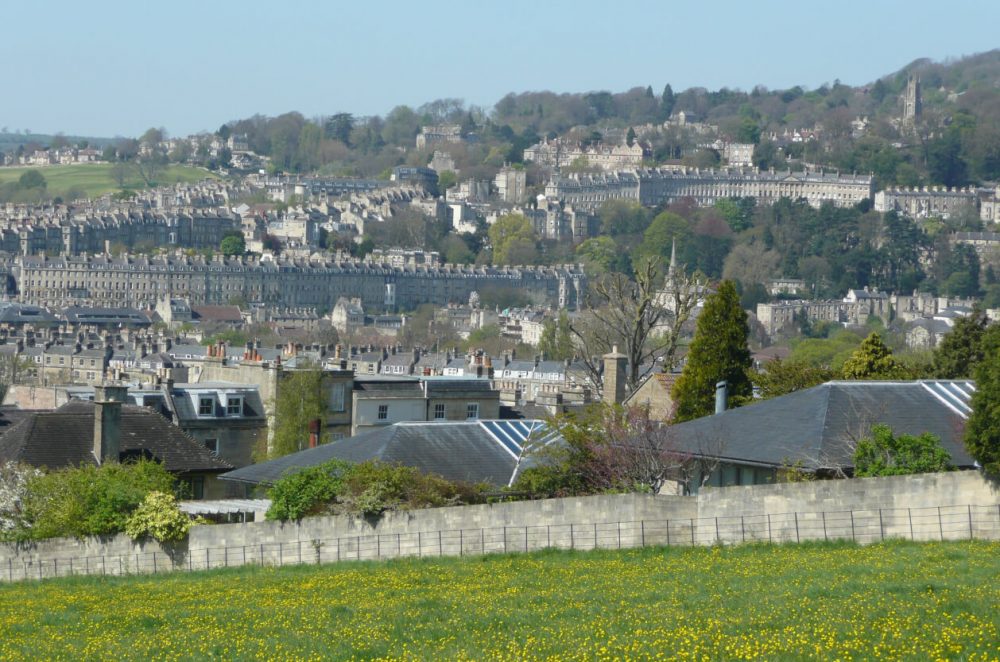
[
  {"x": 818, "y": 426},
  {"x": 217, "y": 313},
  {"x": 64, "y": 438},
  {"x": 106, "y": 316},
  {"x": 473, "y": 451}
]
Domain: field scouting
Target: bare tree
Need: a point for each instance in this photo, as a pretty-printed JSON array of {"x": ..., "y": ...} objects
[
  {"x": 14, "y": 369},
  {"x": 644, "y": 321}
]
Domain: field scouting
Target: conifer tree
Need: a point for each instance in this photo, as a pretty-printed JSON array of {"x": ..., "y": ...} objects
[
  {"x": 718, "y": 352},
  {"x": 961, "y": 350},
  {"x": 982, "y": 433},
  {"x": 872, "y": 360}
]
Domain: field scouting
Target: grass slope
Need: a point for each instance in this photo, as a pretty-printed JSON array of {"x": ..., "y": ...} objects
[
  {"x": 893, "y": 600},
  {"x": 96, "y": 179}
]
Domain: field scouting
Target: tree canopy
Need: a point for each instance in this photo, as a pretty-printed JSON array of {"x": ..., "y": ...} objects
[
  {"x": 982, "y": 432},
  {"x": 718, "y": 352}
]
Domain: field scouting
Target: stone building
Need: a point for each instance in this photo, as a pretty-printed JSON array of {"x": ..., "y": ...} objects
[
  {"x": 933, "y": 201},
  {"x": 511, "y": 184},
  {"x": 317, "y": 281},
  {"x": 557, "y": 153},
  {"x": 437, "y": 134},
  {"x": 656, "y": 186},
  {"x": 854, "y": 309}
]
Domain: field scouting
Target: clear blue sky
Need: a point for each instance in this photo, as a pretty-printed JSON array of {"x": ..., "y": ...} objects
[{"x": 117, "y": 68}]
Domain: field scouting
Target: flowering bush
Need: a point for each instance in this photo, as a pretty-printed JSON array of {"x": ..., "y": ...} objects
[
  {"x": 13, "y": 488},
  {"x": 158, "y": 517}
]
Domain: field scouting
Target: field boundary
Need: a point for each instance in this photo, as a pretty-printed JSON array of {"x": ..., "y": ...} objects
[{"x": 931, "y": 523}]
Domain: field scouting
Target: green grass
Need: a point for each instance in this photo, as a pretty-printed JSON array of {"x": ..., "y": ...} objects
[
  {"x": 894, "y": 600},
  {"x": 95, "y": 179}
]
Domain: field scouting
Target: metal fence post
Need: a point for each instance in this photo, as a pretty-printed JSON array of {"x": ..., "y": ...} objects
[
  {"x": 482, "y": 539},
  {"x": 154, "y": 563},
  {"x": 668, "y": 533},
  {"x": 571, "y": 540},
  {"x": 881, "y": 526},
  {"x": 504, "y": 540},
  {"x": 420, "y": 544},
  {"x": 642, "y": 526},
  {"x": 824, "y": 526},
  {"x": 854, "y": 537},
  {"x": 548, "y": 535},
  {"x": 743, "y": 528},
  {"x": 797, "y": 538},
  {"x": 619, "y": 535},
  {"x": 461, "y": 542},
  {"x": 525, "y": 537},
  {"x": 595, "y": 535},
  {"x": 970, "y": 521},
  {"x": 909, "y": 514},
  {"x": 692, "y": 532},
  {"x": 769, "y": 528},
  {"x": 440, "y": 548},
  {"x": 717, "y": 537}
]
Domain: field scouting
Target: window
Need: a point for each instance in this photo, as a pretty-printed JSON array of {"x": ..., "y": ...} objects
[
  {"x": 234, "y": 407},
  {"x": 472, "y": 410},
  {"x": 206, "y": 406},
  {"x": 212, "y": 445},
  {"x": 337, "y": 397},
  {"x": 383, "y": 412},
  {"x": 439, "y": 412}
]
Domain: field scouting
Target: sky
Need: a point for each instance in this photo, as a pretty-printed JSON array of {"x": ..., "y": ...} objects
[{"x": 104, "y": 68}]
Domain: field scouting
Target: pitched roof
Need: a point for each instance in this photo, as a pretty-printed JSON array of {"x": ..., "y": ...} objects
[
  {"x": 473, "y": 451},
  {"x": 65, "y": 437},
  {"x": 818, "y": 426}
]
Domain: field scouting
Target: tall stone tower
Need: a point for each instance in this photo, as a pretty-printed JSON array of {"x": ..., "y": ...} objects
[{"x": 912, "y": 105}]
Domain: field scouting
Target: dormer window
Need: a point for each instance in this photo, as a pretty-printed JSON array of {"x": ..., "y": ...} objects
[
  {"x": 234, "y": 406},
  {"x": 206, "y": 406}
]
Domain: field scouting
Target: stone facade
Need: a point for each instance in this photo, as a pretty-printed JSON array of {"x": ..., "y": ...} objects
[
  {"x": 652, "y": 187},
  {"x": 511, "y": 184},
  {"x": 936, "y": 201},
  {"x": 140, "y": 282},
  {"x": 854, "y": 309}
]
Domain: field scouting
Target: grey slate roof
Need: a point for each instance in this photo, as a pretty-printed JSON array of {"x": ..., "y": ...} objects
[
  {"x": 818, "y": 425},
  {"x": 473, "y": 451},
  {"x": 64, "y": 438}
]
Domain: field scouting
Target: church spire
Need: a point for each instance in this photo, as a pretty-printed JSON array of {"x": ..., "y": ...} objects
[{"x": 673, "y": 257}]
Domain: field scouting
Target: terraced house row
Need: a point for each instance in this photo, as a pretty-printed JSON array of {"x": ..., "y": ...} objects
[
  {"x": 141, "y": 281},
  {"x": 68, "y": 233}
]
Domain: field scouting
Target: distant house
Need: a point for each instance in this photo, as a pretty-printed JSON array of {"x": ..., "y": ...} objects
[
  {"x": 472, "y": 451},
  {"x": 84, "y": 432},
  {"x": 654, "y": 392},
  {"x": 816, "y": 429}
]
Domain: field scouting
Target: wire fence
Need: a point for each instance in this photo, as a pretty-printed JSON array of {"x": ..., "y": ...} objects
[{"x": 966, "y": 522}]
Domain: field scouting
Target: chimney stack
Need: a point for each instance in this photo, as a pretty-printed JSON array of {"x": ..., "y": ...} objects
[
  {"x": 108, "y": 401},
  {"x": 614, "y": 376},
  {"x": 721, "y": 396}
]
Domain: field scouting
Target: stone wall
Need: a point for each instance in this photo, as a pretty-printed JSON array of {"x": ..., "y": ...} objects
[{"x": 957, "y": 505}]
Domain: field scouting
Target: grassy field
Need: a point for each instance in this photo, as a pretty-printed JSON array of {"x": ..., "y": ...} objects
[
  {"x": 822, "y": 601},
  {"x": 95, "y": 179}
]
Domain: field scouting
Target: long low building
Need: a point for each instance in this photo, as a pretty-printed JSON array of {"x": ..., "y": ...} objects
[
  {"x": 655, "y": 186},
  {"x": 140, "y": 281}
]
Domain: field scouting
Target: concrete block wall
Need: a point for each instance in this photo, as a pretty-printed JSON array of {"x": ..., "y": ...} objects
[{"x": 958, "y": 505}]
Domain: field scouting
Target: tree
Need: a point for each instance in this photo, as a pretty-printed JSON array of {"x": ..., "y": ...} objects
[
  {"x": 606, "y": 448},
  {"x": 339, "y": 127},
  {"x": 32, "y": 179},
  {"x": 781, "y": 377},
  {"x": 446, "y": 180},
  {"x": 962, "y": 349},
  {"x": 884, "y": 454},
  {"x": 509, "y": 231},
  {"x": 233, "y": 244},
  {"x": 556, "y": 342},
  {"x": 14, "y": 480},
  {"x": 13, "y": 370},
  {"x": 872, "y": 360},
  {"x": 982, "y": 432},
  {"x": 627, "y": 313},
  {"x": 301, "y": 401},
  {"x": 718, "y": 352}
]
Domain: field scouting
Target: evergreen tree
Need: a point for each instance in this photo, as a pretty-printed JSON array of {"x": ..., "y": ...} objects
[
  {"x": 718, "y": 352},
  {"x": 982, "y": 433},
  {"x": 961, "y": 350},
  {"x": 872, "y": 360},
  {"x": 300, "y": 401}
]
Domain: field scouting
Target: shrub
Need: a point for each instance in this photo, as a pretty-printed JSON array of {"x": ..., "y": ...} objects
[
  {"x": 886, "y": 455},
  {"x": 366, "y": 489},
  {"x": 89, "y": 500},
  {"x": 158, "y": 517},
  {"x": 13, "y": 489},
  {"x": 307, "y": 492}
]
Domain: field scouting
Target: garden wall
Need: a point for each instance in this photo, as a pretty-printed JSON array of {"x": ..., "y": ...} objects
[{"x": 956, "y": 505}]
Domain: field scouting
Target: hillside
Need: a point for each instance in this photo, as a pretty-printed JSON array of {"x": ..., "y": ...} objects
[
  {"x": 95, "y": 179},
  {"x": 827, "y": 601}
]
